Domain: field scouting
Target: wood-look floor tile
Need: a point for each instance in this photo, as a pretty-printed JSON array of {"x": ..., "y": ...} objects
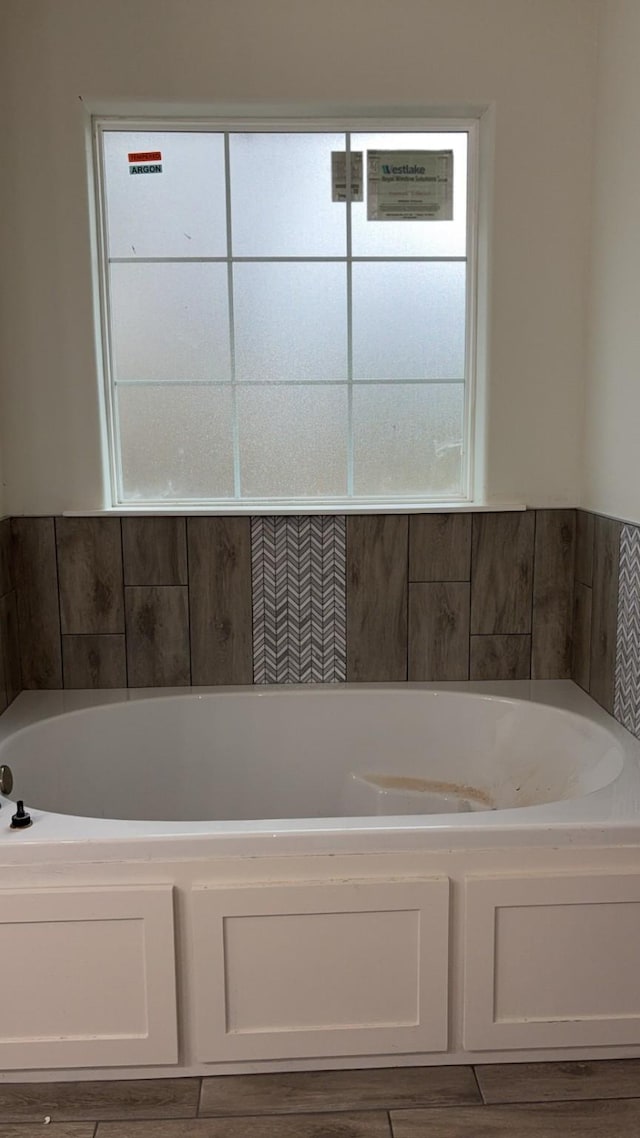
[
  {"x": 55, "y": 1130},
  {"x": 6, "y": 568},
  {"x": 581, "y": 649},
  {"x": 90, "y": 571},
  {"x": 10, "y": 645},
  {"x": 584, "y": 547},
  {"x": 553, "y": 594},
  {"x": 500, "y": 658},
  {"x": 502, "y": 572},
  {"x": 439, "y": 631},
  {"x": 94, "y": 661},
  {"x": 3, "y": 682},
  {"x": 604, "y": 611},
  {"x": 36, "y": 575},
  {"x": 157, "y": 635},
  {"x": 154, "y": 551},
  {"x": 439, "y": 547},
  {"x": 372, "y": 1124},
  {"x": 377, "y": 561},
  {"x": 546, "y": 1082},
  {"x": 314, "y": 1091},
  {"x": 220, "y": 600},
  {"x": 608, "y": 1119},
  {"x": 122, "y": 1099}
]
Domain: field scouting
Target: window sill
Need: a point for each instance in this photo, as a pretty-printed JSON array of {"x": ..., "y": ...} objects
[{"x": 300, "y": 508}]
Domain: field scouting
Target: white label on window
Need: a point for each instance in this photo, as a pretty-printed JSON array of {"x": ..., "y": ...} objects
[
  {"x": 339, "y": 176},
  {"x": 410, "y": 185}
]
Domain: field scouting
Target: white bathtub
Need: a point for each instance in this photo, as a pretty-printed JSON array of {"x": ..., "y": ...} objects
[
  {"x": 327, "y": 764},
  {"x": 218, "y": 881}
]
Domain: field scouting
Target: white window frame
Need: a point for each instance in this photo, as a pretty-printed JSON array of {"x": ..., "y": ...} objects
[{"x": 471, "y": 445}]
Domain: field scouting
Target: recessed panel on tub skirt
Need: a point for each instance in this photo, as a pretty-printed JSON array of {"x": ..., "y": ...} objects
[
  {"x": 552, "y": 961},
  {"x": 88, "y": 977},
  {"x": 285, "y": 971}
]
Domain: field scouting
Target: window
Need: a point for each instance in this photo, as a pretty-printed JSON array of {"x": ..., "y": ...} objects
[{"x": 286, "y": 314}]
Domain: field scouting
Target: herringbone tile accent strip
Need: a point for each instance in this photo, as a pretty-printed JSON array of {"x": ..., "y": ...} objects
[
  {"x": 298, "y": 567},
  {"x": 627, "y": 682}
]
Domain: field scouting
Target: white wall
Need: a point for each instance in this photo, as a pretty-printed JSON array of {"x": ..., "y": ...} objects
[
  {"x": 533, "y": 60},
  {"x": 611, "y": 477}
]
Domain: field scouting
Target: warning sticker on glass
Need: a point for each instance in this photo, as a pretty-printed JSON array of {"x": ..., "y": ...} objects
[
  {"x": 339, "y": 176},
  {"x": 145, "y": 162},
  {"x": 410, "y": 185}
]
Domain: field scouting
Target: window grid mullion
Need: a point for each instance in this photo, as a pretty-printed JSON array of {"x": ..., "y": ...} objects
[
  {"x": 232, "y": 330},
  {"x": 349, "y": 316},
  {"x": 272, "y": 260}
]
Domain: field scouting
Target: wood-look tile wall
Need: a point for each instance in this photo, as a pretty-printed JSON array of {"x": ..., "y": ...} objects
[
  {"x": 10, "y": 677},
  {"x": 138, "y": 602},
  {"x": 109, "y": 602},
  {"x": 595, "y": 613},
  {"x": 488, "y": 596}
]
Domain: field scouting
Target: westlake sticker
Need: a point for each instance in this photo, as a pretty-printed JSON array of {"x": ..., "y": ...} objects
[
  {"x": 145, "y": 162},
  {"x": 410, "y": 185}
]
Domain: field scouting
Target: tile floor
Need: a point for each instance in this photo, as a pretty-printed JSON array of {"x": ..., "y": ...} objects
[{"x": 526, "y": 1100}]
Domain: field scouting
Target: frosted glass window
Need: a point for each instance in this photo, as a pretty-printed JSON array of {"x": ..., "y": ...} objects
[
  {"x": 281, "y": 196},
  {"x": 170, "y": 322},
  {"x": 290, "y": 321},
  {"x": 265, "y": 344},
  {"x": 176, "y": 442},
  {"x": 414, "y": 238},
  {"x": 293, "y": 436},
  {"x": 406, "y": 437},
  {"x": 408, "y": 320},
  {"x": 180, "y": 212}
]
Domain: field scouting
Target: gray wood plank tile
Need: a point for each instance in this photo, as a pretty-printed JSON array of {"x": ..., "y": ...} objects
[
  {"x": 500, "y": 658},
  {"x": 604, "y": 611},
  {"x": 377, "y": 553},
  {"x": 502, "y": 572},
  {"x": 3, "y": 683},
  {"x": 6, "y": 569},
  {"x": 154, "y": 551},
  {"x": 94, "y": 661},
  {"x": 439, "y": 547},
  {"x": 10, "y": 645},
  {"x": 584, "y": 547},
  {"x": 553, "y": 594},
  {"x": 220, "y": 600},
  {"x": 55, "y": 1130},
  {"x": 90, "y": 570},
  {"x": 304, "y": 1091},
  {"x": 581, "y": 654},
  {"x": 367, "y": 1125},
  {"x": 542, "y": 1120},
  {"x": 552, "y": 1082},
  {"x": 439, "y": 631},
  {"x": 34, "y": 554},
  {"x": 65, "y": 1102},
  {"x": 157, "y": 619}
]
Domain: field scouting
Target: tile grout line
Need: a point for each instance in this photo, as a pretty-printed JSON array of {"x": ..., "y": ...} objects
[{"x": 477, "y": 1082}]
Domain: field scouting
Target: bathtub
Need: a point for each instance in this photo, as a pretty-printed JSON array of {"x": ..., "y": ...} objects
[
  {"x": 308, "y": 876},
  {"x": 360, "y": 762}
]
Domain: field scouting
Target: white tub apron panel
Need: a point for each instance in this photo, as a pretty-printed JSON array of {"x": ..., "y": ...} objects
[
  {"x": 552, "y": 961},
  {"x": 340, "y": 969},
  {"x": 91, "y": 977}
]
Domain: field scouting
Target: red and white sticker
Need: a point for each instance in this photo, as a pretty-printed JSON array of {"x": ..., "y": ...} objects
[
  {"x": 146, "y": 156},
  {"x": 145, "y": 162}
]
